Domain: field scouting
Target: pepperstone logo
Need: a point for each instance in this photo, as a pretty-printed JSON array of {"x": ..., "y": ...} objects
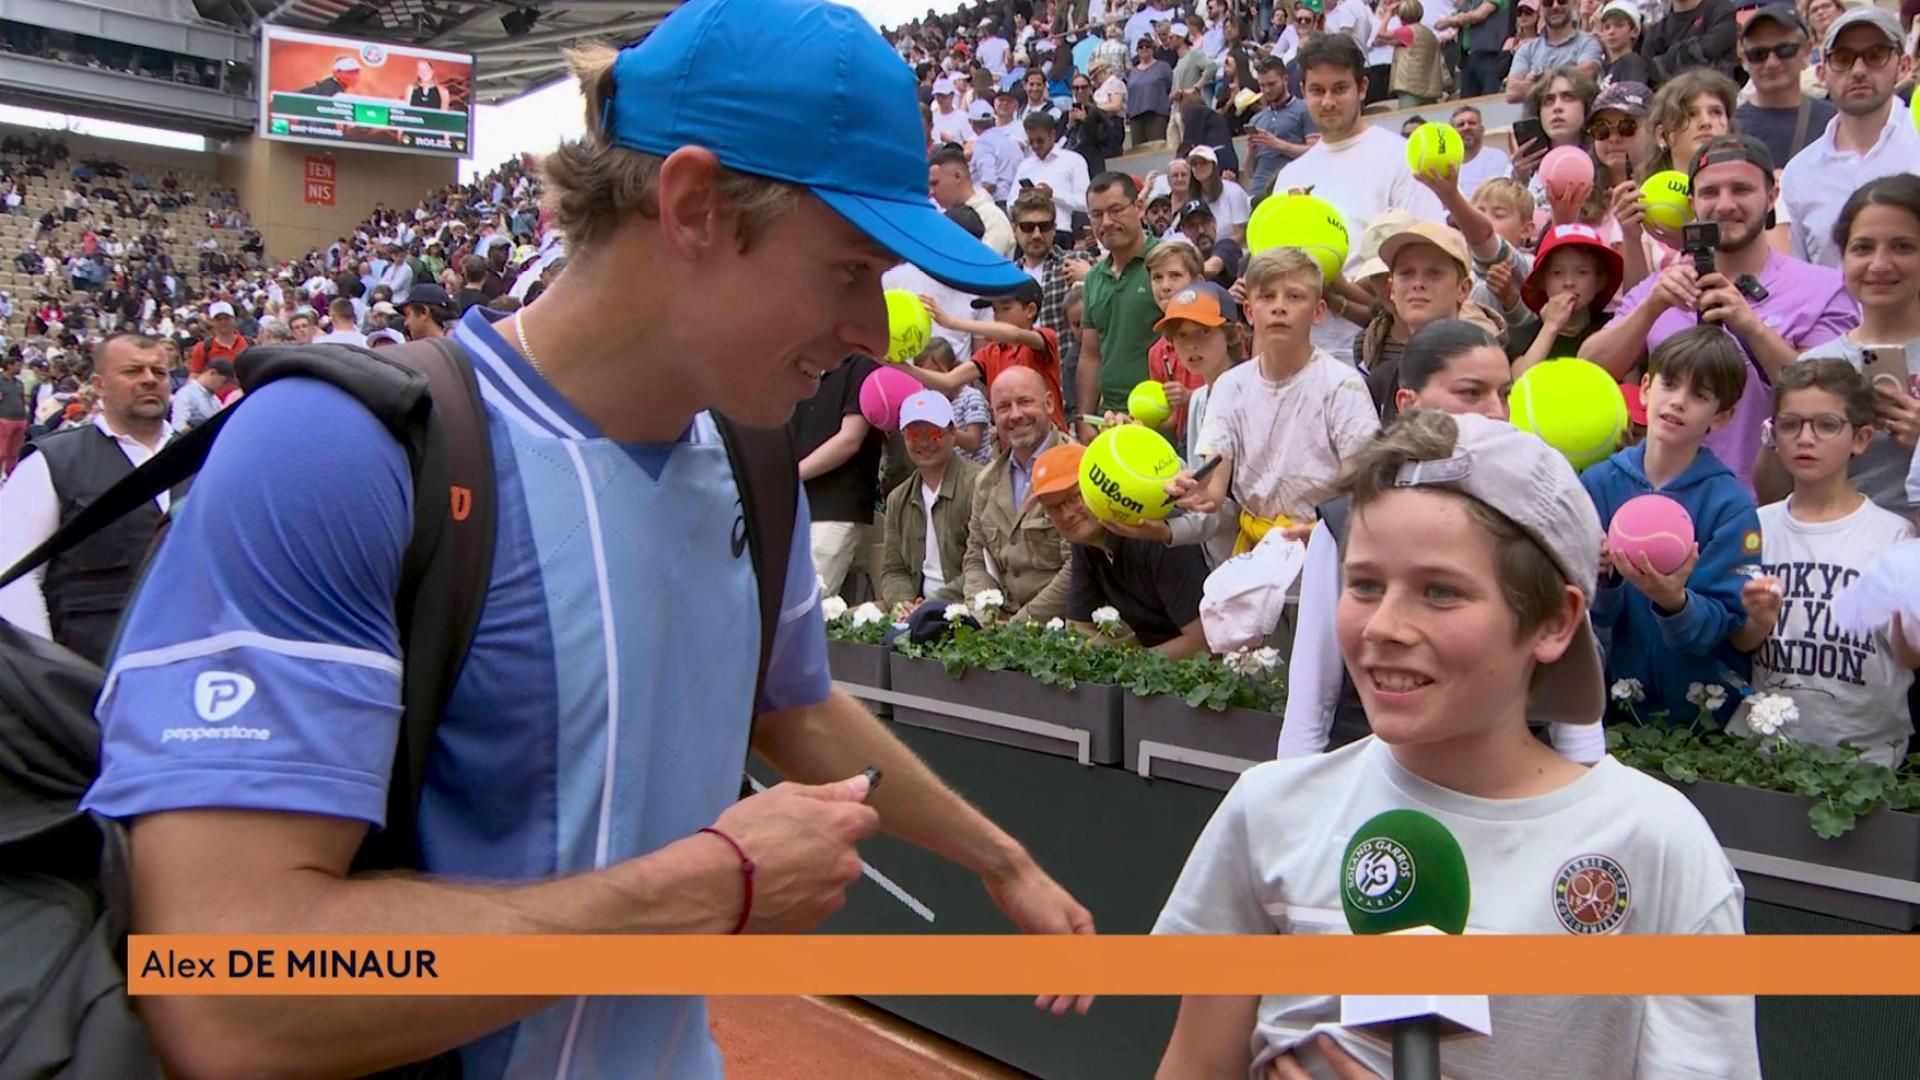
[
  {"x": 1379, "y": 875},
  {"x": 217, "y": 695},
  {"x": 1591, "y": 895}
]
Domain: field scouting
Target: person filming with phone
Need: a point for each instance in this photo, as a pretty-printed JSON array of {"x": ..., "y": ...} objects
[{"x": 1775, "y": 305}]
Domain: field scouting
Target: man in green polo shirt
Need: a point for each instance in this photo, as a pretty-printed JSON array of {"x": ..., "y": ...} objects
[{"x": 1117, "y": 328}]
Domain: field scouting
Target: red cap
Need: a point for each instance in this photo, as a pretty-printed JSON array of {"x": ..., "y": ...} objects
[
  {"x": 1636, "y": 405},
  {"x": 1533, "y": 292}
]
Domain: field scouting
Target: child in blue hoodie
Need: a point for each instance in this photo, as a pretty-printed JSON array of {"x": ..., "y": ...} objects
[{"x": 1669, "y": 631}]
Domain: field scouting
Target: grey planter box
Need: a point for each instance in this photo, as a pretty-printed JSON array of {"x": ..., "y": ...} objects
[
  {"x": 860, "y": 665},
  {"x": 1758, "y": 827},
  {"x": 1167, "y": 739},
  {"x": 1011, "y": 709}
]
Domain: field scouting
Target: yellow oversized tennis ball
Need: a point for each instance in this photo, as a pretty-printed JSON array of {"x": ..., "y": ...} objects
[
  {"x": 1148, "y": 404},
  {"x": 1434, "y": 146},
  {"x": 1301, "y": 221},
  {"x": 1669, "y": 199},
  {"x": 1124, "y": 474},
  {"x": 1572, "y": 404},
  {"x": 908, "y": 326}
]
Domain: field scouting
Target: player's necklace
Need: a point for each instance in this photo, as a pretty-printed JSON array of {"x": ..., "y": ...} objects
[{"x": 520, "y": 331}]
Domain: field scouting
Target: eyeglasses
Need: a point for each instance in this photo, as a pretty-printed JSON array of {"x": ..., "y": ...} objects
[
  {"x": 1556, "y": 3},
  {"x": 1825, "y": 426},
  {"x": 1875, "y": 58},
  {"x": 1786, "y": 50},
  {"x": 1082, "y": 86},
  {"x": 1601, "y": 129},
  {"x": 1034, "y": 226}
]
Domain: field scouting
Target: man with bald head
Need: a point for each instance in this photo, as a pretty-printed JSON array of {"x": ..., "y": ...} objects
[{"x": 1011, "y": 546}]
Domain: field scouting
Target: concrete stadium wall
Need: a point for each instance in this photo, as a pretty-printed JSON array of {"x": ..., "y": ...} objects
[{"x": 271, "y": 178}]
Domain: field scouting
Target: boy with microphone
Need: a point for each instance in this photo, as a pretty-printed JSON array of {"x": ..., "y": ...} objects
[{"x": 1452, "y": 642}]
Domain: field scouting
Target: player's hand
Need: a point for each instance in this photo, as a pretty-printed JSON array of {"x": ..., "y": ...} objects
[
  {"x": 1761, "y": 597},
  {"x": 1677, "y": 288},
  {"x": 801, "y": 839},
  {"x": 1038, "y": 905},
  {"x": 1668, "y": 591}
]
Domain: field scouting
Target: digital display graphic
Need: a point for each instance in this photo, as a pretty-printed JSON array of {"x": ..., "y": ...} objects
[{"x": 317, "y": 88}]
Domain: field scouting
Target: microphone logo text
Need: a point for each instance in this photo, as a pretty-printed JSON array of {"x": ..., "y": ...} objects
[{"x": 1379, "y": 875}]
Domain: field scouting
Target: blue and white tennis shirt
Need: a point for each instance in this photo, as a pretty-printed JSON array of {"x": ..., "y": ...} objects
[{"x": 601, "y": 715}]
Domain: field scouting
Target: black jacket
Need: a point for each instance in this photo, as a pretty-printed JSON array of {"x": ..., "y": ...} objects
[{"x": 1703, "y": 37}]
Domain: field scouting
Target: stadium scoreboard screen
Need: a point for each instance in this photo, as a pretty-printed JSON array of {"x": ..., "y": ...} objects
[{"x": 335, "y": 91}]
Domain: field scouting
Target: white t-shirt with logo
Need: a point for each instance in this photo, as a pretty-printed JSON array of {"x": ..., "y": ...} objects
[
  {"x": 1846, "y": 687},
  {"x": 1614, "y": 852}
]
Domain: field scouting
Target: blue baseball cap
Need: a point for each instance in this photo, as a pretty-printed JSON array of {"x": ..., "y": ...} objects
[{"x": 843, "y": 121}]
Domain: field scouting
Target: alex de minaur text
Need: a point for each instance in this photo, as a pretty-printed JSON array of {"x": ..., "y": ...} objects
[{"x": 370, "y": 964}]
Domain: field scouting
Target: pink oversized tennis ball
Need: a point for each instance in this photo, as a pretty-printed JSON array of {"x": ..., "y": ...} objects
[
  {"x": 1567, "y": 174},
  {"x": 1655, "y": 525},
  {"x": 882, "y": 393}
]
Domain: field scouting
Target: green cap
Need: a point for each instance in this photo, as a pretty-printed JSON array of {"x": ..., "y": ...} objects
[{"x": 1404, "y": 871}]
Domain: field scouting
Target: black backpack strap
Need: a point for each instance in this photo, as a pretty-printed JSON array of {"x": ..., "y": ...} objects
[
  {"x": 444, "y": 577},
  {"x": 767, "y": 472}
]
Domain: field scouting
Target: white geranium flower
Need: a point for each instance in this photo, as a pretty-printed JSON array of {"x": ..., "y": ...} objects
[
  {"x": 956, "y": 612},
  {"x": 1241, "y": 662},
  {"x": 1106, "y": 618},
  {"x": 833, "y": 607},
  {"x": 868, "y": 613},
  {"x": 1696, "y": 694},
  {"x": 1268, "y": 659},
  {"x": 989, "y": 600},
  {"x": 1628, "y": 690},
  {"x": 1769, "y": 713},
  {"x": 1716, "y": 696},
  {"x": 1056, "y": 623}
]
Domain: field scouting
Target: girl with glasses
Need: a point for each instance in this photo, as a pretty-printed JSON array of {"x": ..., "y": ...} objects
[{"x": 1848, "y": 689}]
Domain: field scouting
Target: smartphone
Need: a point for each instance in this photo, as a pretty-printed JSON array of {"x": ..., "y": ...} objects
[
  {"x": 1024, "y": 182},
  {"x": 1528, "y": 130}
]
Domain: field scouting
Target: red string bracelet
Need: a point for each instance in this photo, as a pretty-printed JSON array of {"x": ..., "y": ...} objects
[{"x": 746, "y": 875}]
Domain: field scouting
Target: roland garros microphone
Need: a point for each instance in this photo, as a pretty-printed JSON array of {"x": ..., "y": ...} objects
[{"x": 1405, "y": 873}]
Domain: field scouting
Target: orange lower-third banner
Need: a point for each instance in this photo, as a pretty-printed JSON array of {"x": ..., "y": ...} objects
[{"x": 1013, "y": 965}]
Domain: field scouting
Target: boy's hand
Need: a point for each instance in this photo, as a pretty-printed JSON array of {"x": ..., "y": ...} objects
[
  {"x": 1177, "y": 397},
  {"x": 1500, "y": 281},
  {"x": 1667, "y": 591},
  {"x": 1191, "y": 496},
  {"x": 1238, "y": 290},
  {"x": 940, "y": 318},
  {"x": 1761, "y": 597},
  {"x": 1442, "y": 181},
  {"x": 1076, "y": 270},
  {"x": 1158, "y": 531},
  {"x": 1556, "y": 311}
]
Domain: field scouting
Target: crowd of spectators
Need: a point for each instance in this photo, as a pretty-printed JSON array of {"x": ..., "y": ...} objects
[{"x": 85, "y": 50}]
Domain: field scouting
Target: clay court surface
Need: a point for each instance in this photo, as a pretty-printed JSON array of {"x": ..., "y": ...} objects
[{"x": 775, "y": 1038}]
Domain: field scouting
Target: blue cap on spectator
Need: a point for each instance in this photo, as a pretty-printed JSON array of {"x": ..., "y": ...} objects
[{"x": 844, "y": 121}]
